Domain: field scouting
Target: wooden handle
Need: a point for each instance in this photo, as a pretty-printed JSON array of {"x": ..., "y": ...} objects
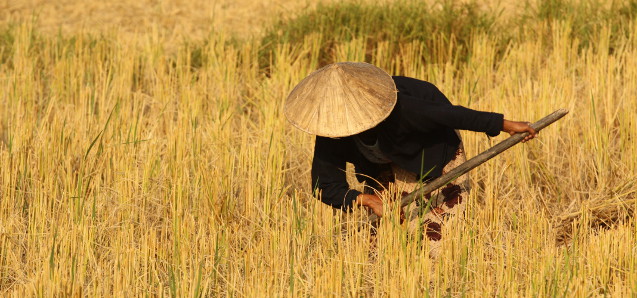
[{"x": 476, "y": 161}]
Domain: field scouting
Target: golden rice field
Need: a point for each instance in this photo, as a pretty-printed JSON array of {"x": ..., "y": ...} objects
[{"x": 150, "y": 158}]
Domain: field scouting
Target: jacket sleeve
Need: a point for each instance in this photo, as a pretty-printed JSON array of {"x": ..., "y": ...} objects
[
  {"x": 427, "y": 109},
  {"x": 328, "y": 174}
]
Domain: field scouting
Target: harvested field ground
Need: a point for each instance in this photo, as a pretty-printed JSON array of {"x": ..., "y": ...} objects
[{"x": 144, "y": 150}]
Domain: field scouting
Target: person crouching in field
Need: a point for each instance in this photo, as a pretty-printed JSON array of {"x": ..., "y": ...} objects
[{"x": 396, "y": 131}]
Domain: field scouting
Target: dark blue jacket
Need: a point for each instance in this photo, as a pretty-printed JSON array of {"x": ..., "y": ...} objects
[{"x": 418, "y": 136}]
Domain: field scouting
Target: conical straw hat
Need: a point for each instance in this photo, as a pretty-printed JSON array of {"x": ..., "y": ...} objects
[{"x": 341, "y": 99}]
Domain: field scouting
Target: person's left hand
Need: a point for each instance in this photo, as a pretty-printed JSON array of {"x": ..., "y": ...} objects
[
  {"x": 372, "y": 202},
  {"x": 513, "y": 127}
]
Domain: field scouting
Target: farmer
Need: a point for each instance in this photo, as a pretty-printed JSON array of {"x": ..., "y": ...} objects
[{"x": 396, "y": 131}]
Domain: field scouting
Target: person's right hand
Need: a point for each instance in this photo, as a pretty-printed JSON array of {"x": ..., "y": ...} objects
[
  {"x": 372, "y": 202},
  {"x": 513, "y": 127}
]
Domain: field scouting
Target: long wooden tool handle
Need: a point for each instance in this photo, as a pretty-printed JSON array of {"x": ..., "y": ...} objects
[{"x": 476, "y": 160}]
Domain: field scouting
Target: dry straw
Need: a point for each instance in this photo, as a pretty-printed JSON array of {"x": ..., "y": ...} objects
[{"x": 141, "y": 167}]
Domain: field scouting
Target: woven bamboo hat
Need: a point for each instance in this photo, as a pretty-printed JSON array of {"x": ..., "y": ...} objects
[{"x": 341, "y": 99}]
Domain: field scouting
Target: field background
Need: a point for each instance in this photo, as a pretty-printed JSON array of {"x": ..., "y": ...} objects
[{"x": 143, "y": 148}]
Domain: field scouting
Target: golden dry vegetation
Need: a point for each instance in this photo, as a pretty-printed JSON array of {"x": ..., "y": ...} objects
[
  {"x": 140, "y": 160},
  {"x": 176, "y": 19}
]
